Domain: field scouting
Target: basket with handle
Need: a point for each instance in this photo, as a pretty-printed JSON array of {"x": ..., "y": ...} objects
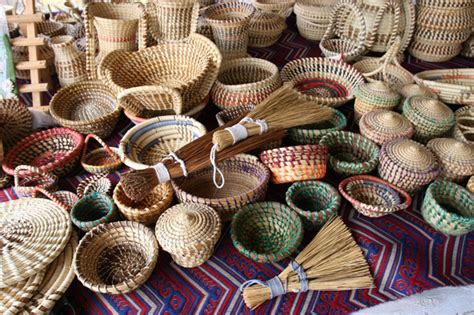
[
  {"x": 101, "y": 160},
  {"x": 36, "y": 178}
]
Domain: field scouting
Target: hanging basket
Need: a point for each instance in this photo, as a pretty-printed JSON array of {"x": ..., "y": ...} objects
[{"x": 101, "y": 160}]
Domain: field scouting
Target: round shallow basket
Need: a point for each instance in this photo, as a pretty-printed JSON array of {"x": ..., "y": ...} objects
[
  {"x": 93, "y": 209},
  {"x": 456, "y": 158},
  {"x": 244, "y": 81},
  {"x": 464, "y": 128},
  {"x": 98, "y": 183},
  {"x": 55, "y": 150},
  {"x": 312, "y": 134},
  {"x": 283, "y": 8},
  {"x": 265, "y": 28},
  {"x": 296, "y": 163},
  {"x": 147, "y": 210},
  {"x": 116, "y": 258},
  {"x": 374, "y": 95},
  {"x": 87, "y": 107},
  {"x": 350, "y": 153},
  {"x": 326, "y": 81},
  {"x": 430, "y": 118},
  {"x": 51, "y": 28},
  {"x": 16, "y": 122},
  {"x": 382, "y": 126},
  {"x": 35, "y": 232},
  {"x": 453, "y": 86},
  {"x": 26, "y": 185},
  {"x": 246, "y": 181},
  {"x": 189, "y": 233},
  {"x": 314, "y": 201},
  {"x": 372, "y": 196},
  {"x": 149, "y": 142},
  {"x": 448, "y": 208},
  {"x": 266, "y": 231},
  {"x": 470, "y": 184},
  {"x": 407, "y": 164},
  {"x": 101, "y": 160},
  {"x": 13, "y": 298}
]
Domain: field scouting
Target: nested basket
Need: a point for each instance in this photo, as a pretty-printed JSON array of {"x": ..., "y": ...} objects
[
  {"x": 16, "y": 122},
  {"x": 296, "y": 163},
  {"x": 101, "y": 160},
  {"x": 374, "y": 197},
  {"x": 312, "y": 17},
  {"x": 98, "y": 183},
  {"x": 87, "y": 107},
  {"x": 36, "y": 178},
  {"x": 55, "y": 150},
  {"x": 456, "y": 158},
  {"x": 407, "y": 164},
  {"x": 430, "y": 118},
  {"x": 265, "y": 28},
  {"x": 314, "y": 201},
  {"x": 374, "y": 95},
  {"x": 149, "y": 142},
  {"x": 266, "y": 231},
  {"x": 448, "y": 208},
  {"x": 116, "y": 258},
  {"x": 325, "y": 81},
  {"x": 246, "y": 181},
  {"x": 382, "y": 126},
  {"x": 244, "y": 81},
  {"x": 92, "y": 210},
  {"x": 350, "y": 153},
  {"x": 189, "y": 233},
  {"x": 147, "y": 210},
  {"x": 464, "y": 128},
  {"x": 283, "y": 8}
]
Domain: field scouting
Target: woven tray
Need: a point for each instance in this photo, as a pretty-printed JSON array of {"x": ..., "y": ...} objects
[{"x": 13, "y": 298}]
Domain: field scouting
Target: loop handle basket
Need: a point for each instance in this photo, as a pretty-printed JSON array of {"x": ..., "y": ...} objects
[
  {"x": 102, "y": 160},
  {"x": 36, "y": 178}
]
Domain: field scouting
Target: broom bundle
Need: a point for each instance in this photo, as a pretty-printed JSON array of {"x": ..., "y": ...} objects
[
  {"x": 267, "y": 122},
  {"x": 331, "y": 261}
]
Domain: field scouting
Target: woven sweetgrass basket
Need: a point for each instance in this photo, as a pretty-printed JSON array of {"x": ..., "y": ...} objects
[
  {"x": 314, "y": 201},
  {"x": 455, "y": 158},
  {"x": 382, "y": 126},
  {"x": 265, "y": 28},
  {"x": 36, "y": 178},
  {"x": 464, "y": 128},
  {"x": 98, "y": 183},
  {"x": 283, "y": 8},
  {"x": 16, "y": 122},
  {"x": 374, "y": 95},
  {"x": 312, "y": 17},
  {"x": 448, "y": 208},
  {"x": 65, "y": 199},
  {"x": 413, "y": 89},
  {"x": 100, "y": 160},
  {"x": 92, "y": 210},
  {"x": 116, "y": 258},
  {"x": 266, "y": 231}
]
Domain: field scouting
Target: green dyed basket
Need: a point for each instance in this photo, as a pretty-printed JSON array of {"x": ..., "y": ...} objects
[
  {"x": 448, "y": 208},
  {"x": 314, "y": 201},
  {"x": 266, "y": 231},
  {"x": 312, "y": 134},
  {"x": 351, "y": 153},
  {"x": 92, "y": 210}
]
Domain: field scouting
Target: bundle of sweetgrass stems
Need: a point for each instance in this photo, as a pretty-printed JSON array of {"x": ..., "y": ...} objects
[{"x": 331, "y": 261}]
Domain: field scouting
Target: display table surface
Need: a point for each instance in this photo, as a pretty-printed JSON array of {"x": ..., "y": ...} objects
[{"x": 405, "y": 254}]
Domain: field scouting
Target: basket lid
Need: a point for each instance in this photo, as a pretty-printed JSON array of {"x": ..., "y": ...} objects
[
  {"x": 386, "y": 122},
  {"x": 187, "y": 225},
  {"x": 428, "y": 108},
  {"x": 413, "y": 89},
  {"x": 377, "y": 89},
  {"x": 410, "y": 155},
  {"x": 453, "y": 151}
]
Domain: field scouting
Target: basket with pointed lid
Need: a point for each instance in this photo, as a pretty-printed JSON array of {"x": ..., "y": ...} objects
[
  {"x": 455, "y": 157},
  {"x": 431, "y": 118},
  {"x": 189, "y": 232},
  {"x": 382, "y": 126},
  {"x": 374, "y": 95},
  {"x": 413, "y": 89},
  {"x": 407, "y": 164}
]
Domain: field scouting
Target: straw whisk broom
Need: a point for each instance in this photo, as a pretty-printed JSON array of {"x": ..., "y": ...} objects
[
  {"x": 267, "y": 122},
  {"x": 331, "y": 261}
]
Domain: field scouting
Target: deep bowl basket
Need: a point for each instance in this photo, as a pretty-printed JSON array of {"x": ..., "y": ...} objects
[{"x": 93, "y": 209}]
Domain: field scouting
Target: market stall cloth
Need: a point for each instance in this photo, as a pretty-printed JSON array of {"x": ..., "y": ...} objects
[{"x": 405, "y": 254}]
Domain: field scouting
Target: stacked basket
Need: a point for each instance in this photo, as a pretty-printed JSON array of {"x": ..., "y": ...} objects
[{"x": 312, "y": 17}]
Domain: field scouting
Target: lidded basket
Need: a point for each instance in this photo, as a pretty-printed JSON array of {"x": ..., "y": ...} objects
[
  {"x": 413, "y": 89},
  {"x": 455, "y": 157},
  {"x": 189, "y": 232},
  {"x": 382, "y": 126},
  {"x": 374, "y": 95}
]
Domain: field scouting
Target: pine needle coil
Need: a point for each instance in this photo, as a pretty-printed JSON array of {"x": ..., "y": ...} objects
[
  {"x": 464, "y": 128},
  {"x": 36, "y": 178},
  {"x": 350, "y": 153},
  {"x": 92, "y": 210},
  {"x": 374, "y": 95},
  {"x": 116, "y": 258},
  {"x": 16, "y": 122},
  {"x": 265, "y": 28},
  {"x": 382, "y": 126},
  {"x": 266, "y": 231},
  {"x": 101, "y": 160},
  {"x": 98, "y": 183},
  {"x": 448, "y": 208}
]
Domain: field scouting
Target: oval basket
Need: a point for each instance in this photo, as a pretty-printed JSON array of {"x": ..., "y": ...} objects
[
  {"x": 266, "y": 231},
  {"x": 116, "y": 258},
  {"x": 92, "y": 210},
  {"x": 101, "y": 160}
]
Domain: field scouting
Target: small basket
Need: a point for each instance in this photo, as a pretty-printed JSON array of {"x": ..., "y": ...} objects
[
  {"x": 313, "y": 17},
  {"x": 116, "y": 258},
  {"x": 312, "y": 134},
  {"x": 55, "y": 150},
  {"x": 470, "y": 184},
  {"x": 464, "y": 128},
  {"x": 284, "y": 8},
  {"x": 372, "y": 196},
  {"x": 16, "y": 122},
  {"x": 325, "y": 81},
  {"x": 147, "y": 210},
  {"x": 265, "y": 28},
  {"x": 297, "y": 163},
  {"x": 374, "y": 95},
  {"x": 314, "y": 201},
  {"x": 189, "y": 233},
  {"x": 455, "y": 158},
  {"x": 407, "y": 164},
  {"x": 382, "y": 126},
  {"x": 150, "y": 141},
  {"x": 51, "y": 28},
  {"x": 26, "y": 185},
  {"x": 266, "y": 231},
  {"x": 245, "y": 81},
  {"x": 351, "y": 153},
  {"x": 98, "y": 183},
  {"x": 448, "y": 208},
  {"x": 101, "y": 160},
  {"x": 246, "y": 181},
  {"x": 93, "y": 209}
]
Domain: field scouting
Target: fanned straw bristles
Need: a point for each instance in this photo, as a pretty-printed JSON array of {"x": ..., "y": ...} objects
[
  {"x": 332, "y": 261},
  {"x": 283, "y": 109}
]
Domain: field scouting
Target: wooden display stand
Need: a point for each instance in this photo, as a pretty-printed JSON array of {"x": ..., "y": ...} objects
[{"x": 34, "y": 64}]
